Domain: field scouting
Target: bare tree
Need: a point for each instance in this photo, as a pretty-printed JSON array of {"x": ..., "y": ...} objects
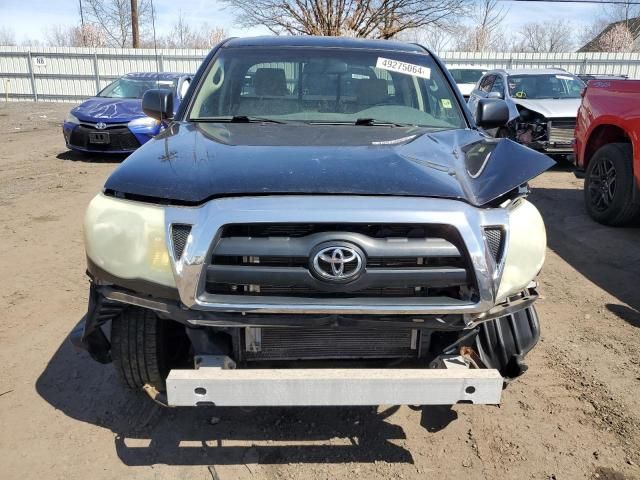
[
  {"x": 183, "y": 35},
  {"x": 357, "y": 18},
  {"x": 75, "y": 36},
  {"x": 7, "y": 37},
  {"x": 554, "y": 36},
  {"x": 485, "y": 31},
  {"x": 625, "y": 11},
  {"x": 113, "y": 18},
  {"x": 436, "y": 39},
  {"x": 617, "y": 39}
]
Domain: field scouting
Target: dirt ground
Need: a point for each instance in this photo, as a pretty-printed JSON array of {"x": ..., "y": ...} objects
[{"x": 575, "y": 414}]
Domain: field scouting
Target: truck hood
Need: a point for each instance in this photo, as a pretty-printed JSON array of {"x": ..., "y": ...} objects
[
  {"x": 191, "y": 163},
  {"x": 109, "y": 110},
  {"x": 552, "y": 107}
]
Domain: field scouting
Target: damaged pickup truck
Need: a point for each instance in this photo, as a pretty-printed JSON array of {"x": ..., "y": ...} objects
[{"x": 322, "y": 223}]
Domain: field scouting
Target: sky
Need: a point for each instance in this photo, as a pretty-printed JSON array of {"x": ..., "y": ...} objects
[{"x": 30, "y": 19}]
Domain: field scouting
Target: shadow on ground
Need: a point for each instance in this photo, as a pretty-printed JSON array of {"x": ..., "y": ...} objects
[
  {"x": 148, "y": 434},
  {"x": 73, "y": 156},
  {"x": 607, "y": 256}
]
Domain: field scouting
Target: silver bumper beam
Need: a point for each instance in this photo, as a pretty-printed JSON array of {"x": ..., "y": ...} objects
[{"x": 327, "y": 387}]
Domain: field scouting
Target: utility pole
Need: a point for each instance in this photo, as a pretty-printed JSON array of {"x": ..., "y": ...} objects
[
  {"x": 84, "y": 37},
  {"x": 135, "y": 34}
]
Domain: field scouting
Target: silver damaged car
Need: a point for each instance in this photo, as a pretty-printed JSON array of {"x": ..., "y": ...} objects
[{"x": 543, "y": 105}]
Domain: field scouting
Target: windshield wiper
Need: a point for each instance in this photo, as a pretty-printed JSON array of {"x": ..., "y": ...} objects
[
  {"x": 237, "y": 119},
  {"x": 372, "y": 122}
]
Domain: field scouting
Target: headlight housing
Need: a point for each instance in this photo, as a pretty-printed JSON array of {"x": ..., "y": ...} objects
[
  {"x": 143, "y": 123},
  {"x": 72, "y": 119},
  {"x": 525, "y": 249},
  {"x": 127, "y": 239}
]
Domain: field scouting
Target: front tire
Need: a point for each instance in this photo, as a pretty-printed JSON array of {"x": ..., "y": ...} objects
[
  {"x": 139, "y": 348},
  {"x": 609, "y": 185}
]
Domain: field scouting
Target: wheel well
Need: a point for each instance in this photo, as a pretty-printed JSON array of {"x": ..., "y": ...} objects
[{"x": 601, "y": 136}]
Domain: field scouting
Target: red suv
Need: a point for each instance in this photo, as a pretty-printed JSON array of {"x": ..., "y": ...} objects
[{"x": 607, "y": 149}]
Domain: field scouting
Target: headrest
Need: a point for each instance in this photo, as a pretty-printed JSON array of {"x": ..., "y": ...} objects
[
  {"x": 372, "y": 91},
  {"x": 270, "y": 82}
]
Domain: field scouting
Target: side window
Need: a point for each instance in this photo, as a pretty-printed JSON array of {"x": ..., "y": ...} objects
[
  {"x": 486, "y": 83},
  {"x": 498, "y": 85}
]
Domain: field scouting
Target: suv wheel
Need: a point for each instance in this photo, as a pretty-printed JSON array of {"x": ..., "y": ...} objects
[{"x": 608, "y": 185}]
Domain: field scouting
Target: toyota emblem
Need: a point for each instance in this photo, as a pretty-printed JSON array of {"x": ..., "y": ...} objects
[
  {"x": 101, "y": 125},
  {"x": 337, "y": 263}
]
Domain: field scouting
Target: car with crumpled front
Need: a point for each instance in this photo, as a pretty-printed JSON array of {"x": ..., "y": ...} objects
[
  {"x": 543, "y": 105},
  {"x": 322, "y": 223}
]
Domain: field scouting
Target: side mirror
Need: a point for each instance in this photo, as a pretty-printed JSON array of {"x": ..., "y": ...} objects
[
  {"x": 492, "y": 113},
  {"x": 495, "y": 95},
  {"x": 158, "y": 103}
]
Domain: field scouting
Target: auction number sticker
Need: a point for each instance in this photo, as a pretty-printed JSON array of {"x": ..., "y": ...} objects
[{"x": 403, "y": 67}]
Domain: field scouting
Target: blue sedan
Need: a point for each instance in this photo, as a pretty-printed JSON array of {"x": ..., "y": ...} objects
[{"x": 113, "y": 121}]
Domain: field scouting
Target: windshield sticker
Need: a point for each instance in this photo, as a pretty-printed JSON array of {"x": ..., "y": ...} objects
[
  {"x": 359, "y": 76},
  {"x": 564, "y": 77},
  {"x": 446, "y": 103},
  {"x": 403, "y": 67}
]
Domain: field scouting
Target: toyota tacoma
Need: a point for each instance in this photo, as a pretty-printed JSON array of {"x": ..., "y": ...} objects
[{"x": 321, "y": 223}]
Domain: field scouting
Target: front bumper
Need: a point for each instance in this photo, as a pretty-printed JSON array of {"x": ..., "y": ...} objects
[
  {"x": 333, "y": 387},
  {"x": 79, "y": 143}
]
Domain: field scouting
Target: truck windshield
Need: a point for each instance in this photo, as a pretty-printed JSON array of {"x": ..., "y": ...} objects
[
  {"x": 316, "y": 85},
  {"x": 562, "y": 85},
  {"x": 133, "y": 88}
]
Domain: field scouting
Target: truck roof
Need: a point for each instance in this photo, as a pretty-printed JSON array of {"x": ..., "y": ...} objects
[{"x": 336, "y": 42}]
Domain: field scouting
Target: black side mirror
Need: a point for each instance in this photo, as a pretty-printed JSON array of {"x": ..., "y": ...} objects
[
  {"x": 492, "y": 113},
  {"x": 158, "y": 103}
]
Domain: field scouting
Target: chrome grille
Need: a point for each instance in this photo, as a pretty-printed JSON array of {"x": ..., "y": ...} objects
[{"x": 401, "y": 261}]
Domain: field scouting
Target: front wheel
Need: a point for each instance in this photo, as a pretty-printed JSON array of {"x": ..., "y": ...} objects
[
  {"x": 609, "y": 184},
  {"x": 145, "y": 348}
]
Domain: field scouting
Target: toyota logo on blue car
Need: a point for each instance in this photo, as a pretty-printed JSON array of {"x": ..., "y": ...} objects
[{"x": 113, "y": 120}]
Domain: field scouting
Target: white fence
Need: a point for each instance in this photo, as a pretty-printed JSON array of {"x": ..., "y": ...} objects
[{"x": 72, "y": 74}]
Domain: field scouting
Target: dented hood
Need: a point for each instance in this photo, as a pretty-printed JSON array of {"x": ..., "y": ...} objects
[
  {"x": 192, "y": 163},
  {"x": 551, "y": 107}
]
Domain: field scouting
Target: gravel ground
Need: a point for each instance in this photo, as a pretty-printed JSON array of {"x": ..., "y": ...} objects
[{"x": 573, "y": 415}]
